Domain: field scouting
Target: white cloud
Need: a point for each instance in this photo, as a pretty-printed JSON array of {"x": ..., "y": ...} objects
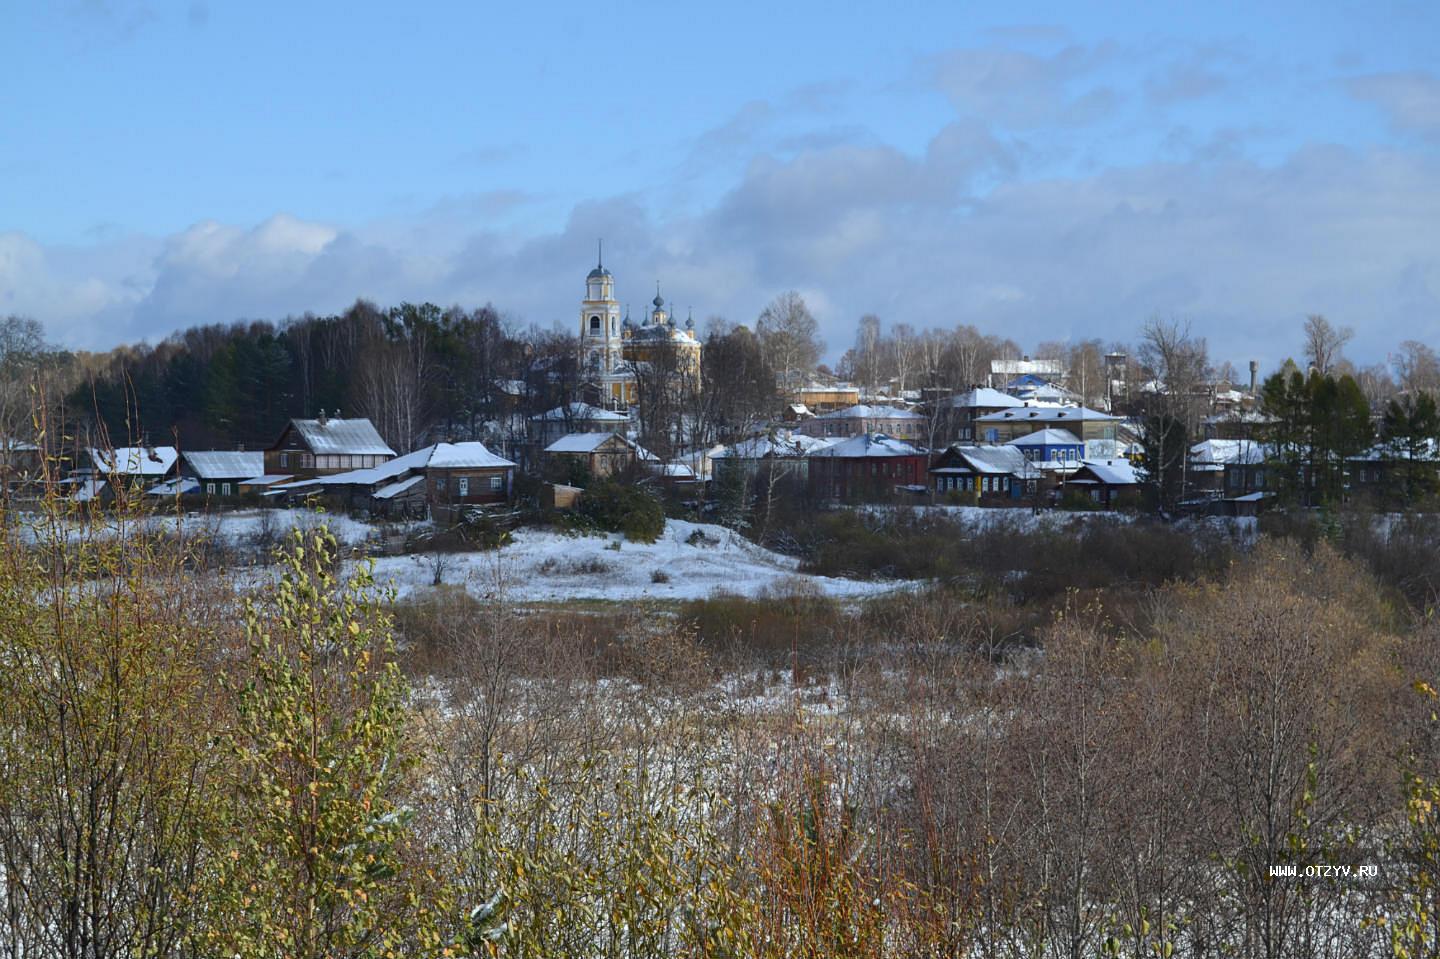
[{"x": 1244, "y": 250}]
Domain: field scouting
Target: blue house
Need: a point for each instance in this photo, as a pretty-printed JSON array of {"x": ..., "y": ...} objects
[{"x": 1051, "y": 446}]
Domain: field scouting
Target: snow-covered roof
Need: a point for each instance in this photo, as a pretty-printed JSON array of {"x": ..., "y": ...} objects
[
  {"x": 1027, "y": 366},
  {"x": 582, "y": 411},
  {"x": 862, "y": 411},
  {"x": 224, "y": 464},
  {"x": 175, "y": 487},
  {"x": 1112, "y": 472},
  {"x": 355, "y": 436},
  {"x": 17, "y": 446},
  {"x": 395, "y": 489},
  {"x": 583, "y": 442},
  {"x": 1049, "y": 436},
  {"x": 995, "y": 459},
  {"x": 983, "y": 397},
  {"x": 868, "y": 445},
  {"x": 671, "y": 470},
  {"x": 469, "y": 455},
  {"x": 1041, "y": 414},
  {"x": 269, "y": 479},
  {"x": 762, "y": 447},
  {"x": 135, "y": 460},
  {"x": 1228, "y": 453}
]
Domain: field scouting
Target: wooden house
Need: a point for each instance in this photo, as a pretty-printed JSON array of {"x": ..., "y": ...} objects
[
  {"x": 985, "y": 475},
  {"x": 595, "y": 454},
  {"x": 872, "y": 467},
  {"x": 325, "y": 446},
  {"x": 442, "y": 480},
  {"x": 1109, "y": 483}
]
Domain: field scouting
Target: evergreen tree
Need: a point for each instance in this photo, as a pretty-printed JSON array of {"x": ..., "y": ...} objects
[{"x": 1410, "y": 430}]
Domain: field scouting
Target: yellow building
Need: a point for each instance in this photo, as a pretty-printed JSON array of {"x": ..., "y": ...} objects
[{"x": 612, "y": 351}]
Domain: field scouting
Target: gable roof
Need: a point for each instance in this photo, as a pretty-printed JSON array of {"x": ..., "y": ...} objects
[
  {"x": 585, "y": 442},
  {"x": 1228, "y": 453},
  {"x": 1113, "y": 472},
  {"x": 861, "y": 410},
  {"x": 356, "y": 436},
  {"x": 582, "y": 411},
  {"x": 135, "y": 460},
  {"x": 225, "y": 464},
  {"x": 1050, "y": 436},
  {"x": 868, "y": 445},
  {"x": 983, "y": 397},
  {"x": 989, "y": 459},
  {"x": 471, "y": 455},
  {"x": 1048, "y": 414},
  {"x": 762, "y": 447}
]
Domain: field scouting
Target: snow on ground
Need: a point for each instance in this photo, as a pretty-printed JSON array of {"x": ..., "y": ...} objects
[
  {"x": 238, "y": 528},
  {"x": 246, "y": 526},
  {"x": 545, "y": 565}
]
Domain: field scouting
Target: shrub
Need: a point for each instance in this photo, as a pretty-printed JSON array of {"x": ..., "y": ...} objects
[{"x": 618, "y": 508}]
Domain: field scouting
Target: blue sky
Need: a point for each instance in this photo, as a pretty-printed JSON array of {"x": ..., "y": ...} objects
[{"x": 1047, "y": 171}]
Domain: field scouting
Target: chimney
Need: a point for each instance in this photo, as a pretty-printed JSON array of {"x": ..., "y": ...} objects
[
  {"x": 1254, "y": 372},
  {"x": 322, "y": 419}
]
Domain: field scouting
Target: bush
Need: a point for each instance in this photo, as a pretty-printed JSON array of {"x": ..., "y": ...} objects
[{"x": 617, "y": 508}]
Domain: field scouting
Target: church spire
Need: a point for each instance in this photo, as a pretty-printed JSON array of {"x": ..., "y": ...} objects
[{"x": 600, "y": 254}]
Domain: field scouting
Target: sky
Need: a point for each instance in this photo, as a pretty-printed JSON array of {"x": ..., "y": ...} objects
[{"x": 1044, "y": 171}]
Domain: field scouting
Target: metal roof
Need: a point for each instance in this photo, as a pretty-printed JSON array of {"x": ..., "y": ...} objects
[
  {"x": 582, "y": 442},
  {"x": 867, "y": 446},
  {"x": 225, "y": 464},
  {"x": 355, "y": 436}
]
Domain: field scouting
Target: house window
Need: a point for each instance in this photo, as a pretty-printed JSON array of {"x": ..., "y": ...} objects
[
  {"x": 209, "y": 489},
  {"x": 497, "y": 482},
  {"x": 463, "y": 486},
  {"x": 284, "y": 460},
  {"x": 224, "y": 489},
  {"x": 307, "y": 460},
  {"x": 440, "y": 484},
  {"x": 986, "y": 484}
]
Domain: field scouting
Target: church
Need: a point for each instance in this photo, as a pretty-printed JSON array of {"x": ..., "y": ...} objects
[{"x": 613, "y": 350}]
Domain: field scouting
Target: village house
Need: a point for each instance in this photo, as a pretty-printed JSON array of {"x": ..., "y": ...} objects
[
  {"x": 1221, "y": 468},
  {"x": 777, "y": 453},
  {"x": 860, "y": 419},
  {"x": 217, "y": 474},
  {"x": 872, "y": 467},
  {"x": 1003, "y": 372},
  {"x": 596, "y": 455},
  {"x": 1050, "y": 448},
  {"x": 549, "y": 426},
  {"x": 443, "y": 479},
  {"x": 958, "y": 413},
  {"x": 818, "y": 398},
  {"x": 1098, "y": 431},
  {"x": 324, "y": 446},
  {"x": 984, "y": 475},
  {"x": 1108, "y": 483}
]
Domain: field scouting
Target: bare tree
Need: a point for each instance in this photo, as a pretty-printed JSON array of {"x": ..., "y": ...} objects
[
  {"x": 1323, "y": 342},
  {"x": 790, "y": 335},
  {"x": 1417, "y": 367}
]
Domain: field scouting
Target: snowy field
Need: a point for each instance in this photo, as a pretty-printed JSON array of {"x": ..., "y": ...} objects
[{"x": 694, "y": 560}]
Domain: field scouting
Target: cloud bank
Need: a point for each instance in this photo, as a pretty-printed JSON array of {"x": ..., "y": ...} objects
[{"x": 968, "y": 229}]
